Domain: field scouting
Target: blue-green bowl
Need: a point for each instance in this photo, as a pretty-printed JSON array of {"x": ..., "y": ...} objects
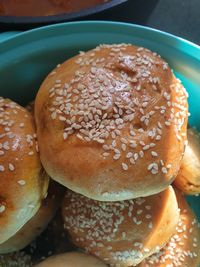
[{"x": 26, "y": 58}]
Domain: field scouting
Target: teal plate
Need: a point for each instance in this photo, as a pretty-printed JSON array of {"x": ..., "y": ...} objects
[{"x": 26, "y": 58}]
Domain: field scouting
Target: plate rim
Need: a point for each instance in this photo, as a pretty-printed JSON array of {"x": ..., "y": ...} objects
[{"x": 190, "y": 48}]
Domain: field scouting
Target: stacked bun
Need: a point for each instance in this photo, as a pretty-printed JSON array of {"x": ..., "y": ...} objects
[
  {"x": 121, "y": 233},
  {"x": 183, "y": 247},
  {"x": 35, "y": 226},
  {"x": 112, "y": 129},
  {"x": 188, "y": 178},
  {"x": 23, "y": 181}
]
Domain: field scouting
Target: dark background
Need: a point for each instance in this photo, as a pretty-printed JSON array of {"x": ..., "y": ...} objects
[{"x": 179, "y": 17}]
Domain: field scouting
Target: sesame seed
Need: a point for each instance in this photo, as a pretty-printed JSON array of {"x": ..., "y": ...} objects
[
  {"x": 139, "y": 212},
  {"x": 65, "y": 136},
  {"x": 142, "y": 143},
  {"x": 100, "y": 141},
  {"x": 133, "y": 144},
  {"x": 11, "y": 167},
  {"x": 129, "y": 155},
  {"x": 116, "y": 156},
  {"x": 150, "y": 225},
  {"x": 154, "y": 154},
  {"x": 132, "y": 133},
  {"x": 2, "y": 169},
  {"x": 21, "y": 182},
  {"x": 141, "y": 154},
  {"x": 2, "y": 208},
  {"x": 135, "y": 156},
  {"x": 106, "y": 147},
  {"x": 154, "y": 171},
  {"x": 6, "y": 145},
  {"x": 123, "y": 146},
  {"x": 152, "y": 145},
  {"x": 6, "y": 129},
  {"x": 152, "y": 165},
  {"x": 53, "y": 115},
  {"x": 169, "y": 166},
  {"x": 132, "y": 161},
  {"x": 2, "y": 152},
  {"x": 106, "y": 154},
  {"x": 138, "y": 88},
  {"x": 117, "y": 151},
  {"x": 124, "y": 166},
  {"x": 146, "y": 147},
  {"x": 158, "y": 137},
  {"x": 164, "y": 170},
  {"x": 161, "y": 162},
  {"x": 123, "y": 140},
  {"x": 148, "y": 216}
]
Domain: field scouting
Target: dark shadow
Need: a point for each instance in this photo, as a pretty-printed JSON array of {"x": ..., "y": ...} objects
[{"x": 133, "y": 11}]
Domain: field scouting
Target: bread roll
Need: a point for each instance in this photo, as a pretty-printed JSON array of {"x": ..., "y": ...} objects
[
  {"x": 71, "y": 259},
  {"x": 36, "y": 225},
  {"x": 23, "y": 182},
  {"x": 122, "y": 233},
  {"x": 183, "y": 248},
  {"x": 19, "y": 259},
  {"x": 112, "y": 123},
  {"x": 188, "y": 178}
]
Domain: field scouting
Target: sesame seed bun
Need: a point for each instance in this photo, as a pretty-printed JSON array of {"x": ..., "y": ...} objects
[
  {"x": 36, "y": 225},
  {"x": 188, "y": 178},
  {"x": 183, "y": 248},
  {"x": 23, "y": 182},
  {"x": 121, "y": 233},
  {"x": 19, "y": 259},
  {"x": 112, "y": 123},
  {"x": 71, "y": 259}
]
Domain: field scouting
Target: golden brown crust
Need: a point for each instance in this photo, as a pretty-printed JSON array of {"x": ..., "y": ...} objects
[
  {"x": 23, "y": 183},
  {"x": 112, "y": 123},
  {"x": 72, "y": 259},
  {"x": 36, "y": 225},
  {"x": 184, "y": 246},
  {"x": 121, "y": 233},
  {"x": 188, "y": 178}
]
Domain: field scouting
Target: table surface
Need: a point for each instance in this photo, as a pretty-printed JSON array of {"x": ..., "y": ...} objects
[{"x": 179, "y": 17}]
